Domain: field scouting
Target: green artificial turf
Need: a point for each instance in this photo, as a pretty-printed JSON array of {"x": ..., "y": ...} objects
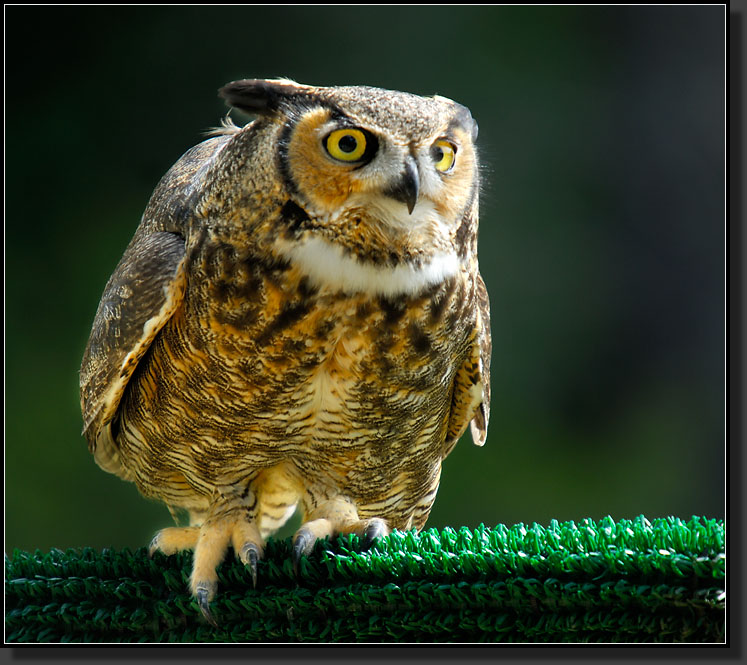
[{"x": 591, "y": 581}]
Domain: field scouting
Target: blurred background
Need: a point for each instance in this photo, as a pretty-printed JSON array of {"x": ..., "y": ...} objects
[{"x": 602, "y": 235}]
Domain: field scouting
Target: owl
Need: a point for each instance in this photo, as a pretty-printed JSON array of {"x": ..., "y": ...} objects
[{"x": 299, "y": 323}]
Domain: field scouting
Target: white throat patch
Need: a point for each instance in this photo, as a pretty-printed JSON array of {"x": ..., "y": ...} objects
[{"x": 327, "y": 264}]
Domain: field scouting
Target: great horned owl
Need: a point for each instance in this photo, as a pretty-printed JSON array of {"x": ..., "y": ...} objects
[{"x": 298, "y": 321}]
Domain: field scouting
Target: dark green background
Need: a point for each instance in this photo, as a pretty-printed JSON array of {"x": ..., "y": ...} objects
[{"x": 602, "y": 234}]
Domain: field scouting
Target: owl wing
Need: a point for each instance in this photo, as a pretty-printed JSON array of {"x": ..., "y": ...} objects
[
  {"x": 470, "y": 402},
  {"x": 145, "y": 290}
]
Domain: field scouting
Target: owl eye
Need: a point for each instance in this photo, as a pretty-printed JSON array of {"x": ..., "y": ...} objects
[
  {"x": 444, "y": 155},
  {"x": 347, "y": 145}
]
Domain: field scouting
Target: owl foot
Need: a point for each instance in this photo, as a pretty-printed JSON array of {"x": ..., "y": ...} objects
[
  {"x": 310, "y": 532},
  {"x": 210, "y": 543}
]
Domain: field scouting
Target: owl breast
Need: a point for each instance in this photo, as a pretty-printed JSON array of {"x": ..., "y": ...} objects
[{"x": 262, "y": 371}]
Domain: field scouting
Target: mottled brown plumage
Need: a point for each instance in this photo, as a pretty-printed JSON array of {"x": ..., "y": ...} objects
[{"x": 299, "y": 320}]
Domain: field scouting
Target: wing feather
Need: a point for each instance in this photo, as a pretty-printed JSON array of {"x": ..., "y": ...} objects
[
  {"x": 145, "y": 290},
  {"x": 470, "y": 406}
]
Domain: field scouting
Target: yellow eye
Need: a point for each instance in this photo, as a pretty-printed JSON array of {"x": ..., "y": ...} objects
[
  {"x": 347, "y": 145},
  {"x": 444, "y": 155}
]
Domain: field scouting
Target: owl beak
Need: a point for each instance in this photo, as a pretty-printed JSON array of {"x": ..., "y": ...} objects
[{"x": 407, "y": 189}]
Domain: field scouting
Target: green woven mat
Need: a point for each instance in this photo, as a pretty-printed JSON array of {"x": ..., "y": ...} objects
[{"x": 605, "y": 581}]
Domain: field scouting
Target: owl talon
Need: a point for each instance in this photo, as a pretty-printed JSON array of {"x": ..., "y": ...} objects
[
  {"x": 249, "y": 556},
  {"x": 204, "y": 593},
  {"x": 303, "y": 543},
  {"x": 377, "y": 528},
  {"x": 153, "y": 546}
]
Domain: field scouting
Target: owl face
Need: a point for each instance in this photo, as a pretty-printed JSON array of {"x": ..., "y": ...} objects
[
  {"x": 388, "y": 178},
  {"x": 343, "y": 164},
  {"x": 397, "y": 154}
]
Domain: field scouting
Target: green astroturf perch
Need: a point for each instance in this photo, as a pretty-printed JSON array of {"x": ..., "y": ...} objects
[{"x": 592, "y": 581}]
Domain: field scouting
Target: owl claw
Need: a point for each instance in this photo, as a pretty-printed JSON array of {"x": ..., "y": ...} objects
[
  {"x": 302, "y": 546},
  {"x": 249, "y": 556},
  {"x": 153, "y": 546},
  {"x": 376, "y": 528},
  {"x": 204, "y": 594}
]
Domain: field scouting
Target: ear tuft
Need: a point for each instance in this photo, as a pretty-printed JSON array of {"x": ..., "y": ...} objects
[{"x": 260, "y": 95}]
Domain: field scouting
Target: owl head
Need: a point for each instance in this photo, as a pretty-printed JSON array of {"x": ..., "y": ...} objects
[{"x": 391, "y": 176}]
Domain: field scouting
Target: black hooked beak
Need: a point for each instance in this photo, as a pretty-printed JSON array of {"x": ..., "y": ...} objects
[{"x": 407, "y": 189}]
